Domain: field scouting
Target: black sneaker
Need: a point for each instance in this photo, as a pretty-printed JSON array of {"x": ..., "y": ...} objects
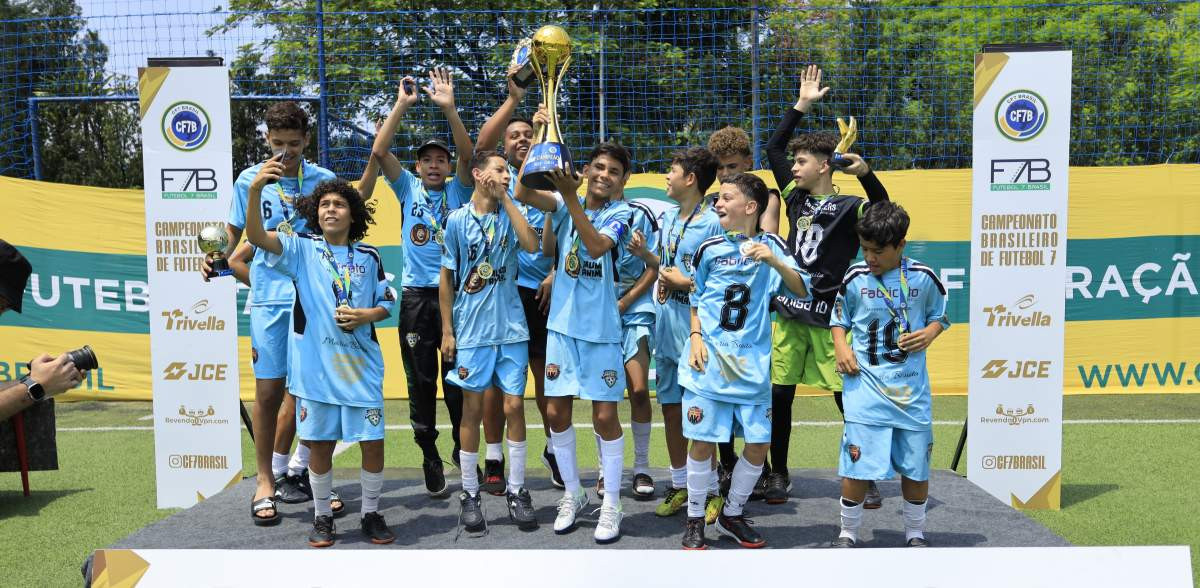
[
  {"x": 778, "y": 486},
  {"x": 740, "y": 530},
  {"x": 322, "y": 532},
  {"x": 760, "y": 487},
  {"x": 693, "y": 534},
  {"x": 520, "y": 510},
  {"x": 376, "y": 529},
  {"x": 643, "y": 486},
  {"x": 289, "y": 490},
  {"x": 842, "y": 542},
  {"x": 435, "y": 478},
  {"x": 917, "y": 542},
  {"x": 873, "y": 500},
  {"x": 471, "y": 518},
  {"x": 551, "y": 464},
  {"x": 724, "y": 480},
  {"x": 493, "y": 480}
]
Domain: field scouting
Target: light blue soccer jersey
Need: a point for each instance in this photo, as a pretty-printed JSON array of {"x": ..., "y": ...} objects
[
  {"x": 631, "y": 267},
  {"x": 425, "y": 213},
  {"x": 487, "y": 311},
  {"x": 733, "y": 299},
  {"x": 532, "y": 268},
  {"x": 676, "y": 247},
  {"x": 892, "y": 386},
  {"x": 583, "y": 303},
  {"x": 327, "y": 364},
  {"x": 267, "y": 286}
]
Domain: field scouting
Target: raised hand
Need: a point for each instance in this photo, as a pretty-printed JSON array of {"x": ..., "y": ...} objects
[
  {"x": 810, "y": 88},
  {"x": 441, "y": 88}
]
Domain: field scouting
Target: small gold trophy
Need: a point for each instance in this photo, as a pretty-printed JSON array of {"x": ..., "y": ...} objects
[{"x": 213, "y": 240}]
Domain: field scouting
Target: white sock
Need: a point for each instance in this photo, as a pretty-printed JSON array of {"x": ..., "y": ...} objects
[
  {"x": 516, "y": 465},
  {"x": 745, "y": 475},
  {"x": 612, "y": 462},
  {"x": 914, "y": 520},
  {"x": 470, "y": 476},
  {"x": 679, "y": 477},
  {"x": 714, "y": 481},
  {"x": 851, "y": 519},
  {"x": 372, "y": 487},
  {"x": 599, "y": 453},
  {"x": 322, "y": 485},
  {"x": 495, "y": 451},
  {"x": 641, "y": 447},
  {"x": 299, "y": 461},
  {"x": 698, "y": 473},
  {"x": 279, "y": 464},
  {"x": 564, "y": 452}
]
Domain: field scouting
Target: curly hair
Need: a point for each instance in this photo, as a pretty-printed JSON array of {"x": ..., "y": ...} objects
[
  {"x": 821, "y": 144},
  {"x": 729, "y": 141},
  {"x": 283, "y": 116},
  {"x": 699, "y": 161},
  {"x": 361, "y": 211}
]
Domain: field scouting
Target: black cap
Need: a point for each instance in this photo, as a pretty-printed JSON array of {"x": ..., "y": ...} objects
[
  {"x": 440, "y": 144},
  {"x": 14, "y": 273}
]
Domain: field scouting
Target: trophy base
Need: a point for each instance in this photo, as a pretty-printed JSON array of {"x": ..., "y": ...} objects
[
  {"x": 542, "y": 159},
  {"x": 220, "y": 268}
]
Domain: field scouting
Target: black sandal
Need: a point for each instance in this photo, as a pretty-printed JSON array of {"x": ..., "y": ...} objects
[
  {"x": 341, "y": 506},
  {"x": 264, "y": 503}
]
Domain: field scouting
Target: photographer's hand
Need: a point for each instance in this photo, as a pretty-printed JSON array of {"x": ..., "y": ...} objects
[{"x": 56, "y": 375}]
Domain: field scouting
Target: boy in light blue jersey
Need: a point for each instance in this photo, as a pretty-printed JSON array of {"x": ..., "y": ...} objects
[
  {"x": 893, "y": 307},
  {"x": 583, "y": 351},
  {"x": 484, "y": 331},
  {"x": 336, "y": 367},
  {"x": 426, "y": 199},
  {"x": 271, "y": 297},
  {"x": 682, "y": 229},
  {"x": 726, "y": 383}
]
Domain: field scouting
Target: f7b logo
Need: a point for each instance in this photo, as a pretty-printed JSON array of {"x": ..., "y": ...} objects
[
  {"x": 204, "y": 372},
  {"x": 1020, "y": 175},
  {"x": 188, "y": 183},
  {"x": 1016, "y": 369}
]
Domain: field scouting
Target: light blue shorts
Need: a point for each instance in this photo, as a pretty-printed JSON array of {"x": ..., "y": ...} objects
[
  {"x": 666, "y": 381},
  {"x": 503, "y": 366},
  {"x": 591, "y": 371},
  {"x": 873, "y": 452},
  {"x": 705, "y": 419},
  {"x": 631, "y": 335},
  {"x": 319, "y": 421},
  {"x": 269, "y": 327}
]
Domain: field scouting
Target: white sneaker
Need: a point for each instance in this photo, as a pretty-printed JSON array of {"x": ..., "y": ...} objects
[
  {"x": 568, "y": 508},
  {"x": 608, "y": 529}
]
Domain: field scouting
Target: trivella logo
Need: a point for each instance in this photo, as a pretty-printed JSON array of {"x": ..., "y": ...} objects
[
  {"x": 193, "y": 319},
  {"x": 1017, "y": 315},
  {"x": 1014, "y": 369}
]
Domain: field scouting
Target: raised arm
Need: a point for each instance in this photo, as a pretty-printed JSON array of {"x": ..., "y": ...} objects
[
  {"x": 777, "y": 156},
  {"x": 493, "y": 130},
  {"x": 595, "y": 242},
  {"x": 526, "y": 237},
  {"x": 382, "y": 148},
  {"x": 441, "y": 92}
]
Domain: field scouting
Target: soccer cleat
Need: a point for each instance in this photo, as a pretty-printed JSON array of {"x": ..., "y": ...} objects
[
  {"x": 520, "y": 510},
  {"x": 760, "y": 486},
  {"x": 917, "y": 542},
  {"x": 290, "y": 489},
  {"x": 471, "y": 518},
  {"x": 738, "y": 528},
  {"x": 608, "y": 528},
  {"x": 568, "y": 508},
  {"x": 551, "y": 464},
  {"x": 778, "y": 486},
  {"x": 873, "y": 500},
  {"x": 322, "y": 534},
  {"x": 674, "y": 500},
  {"x": 435, "y": 478},
  {"x": 493, "y": 480},
  {"x": 376, "y": 529},
  {"x": 712, "y": 508},
  {"x": 842, "y": 542},
  {"x": 693, "y": 534},
  {"x": 643, "y": 486}
]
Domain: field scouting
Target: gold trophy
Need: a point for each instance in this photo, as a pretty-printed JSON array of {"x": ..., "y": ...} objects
[
  {"x": 849, "y": 133},
  {"x": 213, "y": 240},
  {"x": 550, "y": 54}
]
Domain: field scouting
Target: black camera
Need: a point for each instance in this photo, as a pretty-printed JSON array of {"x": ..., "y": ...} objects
[{"x": 83, "y": 358}]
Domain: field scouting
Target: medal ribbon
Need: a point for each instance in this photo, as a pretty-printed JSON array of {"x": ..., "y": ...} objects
[
  {"x": 434, "y": 219},
  {"x": 284, "y": 199},
  {"x": 341, "y": 283},
  {"x": 902, "y": 316},
  {"x": 674, "y": 249},
  {"x": 489, "y": 233}
]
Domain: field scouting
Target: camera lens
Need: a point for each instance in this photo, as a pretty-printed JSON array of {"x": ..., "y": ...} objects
[{"x": 84, "y": 358}]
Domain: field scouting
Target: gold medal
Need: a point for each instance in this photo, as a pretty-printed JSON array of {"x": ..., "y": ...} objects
[
  {"x": 745, "y": 247},
  {"x": 438, "y": 238},
  {"x": 803, "y": 223},
  {"x": 572, "y": 264},
  {"x": 485, "y": 270},
  {"x": 342, "y": 304},
  {"x": 285, "y": 228}
]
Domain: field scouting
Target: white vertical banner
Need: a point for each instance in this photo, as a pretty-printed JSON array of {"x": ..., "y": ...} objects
[
  {"x": 187, "y": 159},
  {"x": 1022, "y": 128}
]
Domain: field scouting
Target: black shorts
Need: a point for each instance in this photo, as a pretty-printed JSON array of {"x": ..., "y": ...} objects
[{"x": 535, "y": 320}]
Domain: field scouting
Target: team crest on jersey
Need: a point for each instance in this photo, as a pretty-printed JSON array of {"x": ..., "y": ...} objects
[
  {"x": 552, "y": 371},
  {"x": 610, "y": 377},
  {"x": 253, "y": 355},
  {"x": 411, "y": 339},
  {"x": 854, "y": 452},
  {"x": 463, "y": 373},
  {"x": 374, "y": 415},
  {"x": 474, "y": 282},
  {"x": 695, "y": 415},
  {"x": 661, "y": 294},
  {"x": 419, "y": 235},
  {"x": 303, "y": 413},
  {"x": 687, "y": 259}
]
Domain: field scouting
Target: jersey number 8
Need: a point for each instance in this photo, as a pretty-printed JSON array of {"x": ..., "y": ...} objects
[{"x": 733, "y": 312}]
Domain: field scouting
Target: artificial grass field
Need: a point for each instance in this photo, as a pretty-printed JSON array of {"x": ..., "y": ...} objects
[{"x": 1126, "y": 483}]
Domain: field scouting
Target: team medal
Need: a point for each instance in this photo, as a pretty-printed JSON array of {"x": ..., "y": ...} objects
[
  {"x": 745, "y": 248},
  {"x": 572, "y": 264},
  {"x": 485, "y": 270},
  {"x": 285, "y": 228},
  {"x": 437, "y": 237},
  {"x": 803, "y": 223},
  {"x": 344, "y": 304}
]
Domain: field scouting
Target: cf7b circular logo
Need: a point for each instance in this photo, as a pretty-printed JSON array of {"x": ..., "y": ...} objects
[
  {"x": 1021, "y": 115},
  {"x": 185, "y": 126}
]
